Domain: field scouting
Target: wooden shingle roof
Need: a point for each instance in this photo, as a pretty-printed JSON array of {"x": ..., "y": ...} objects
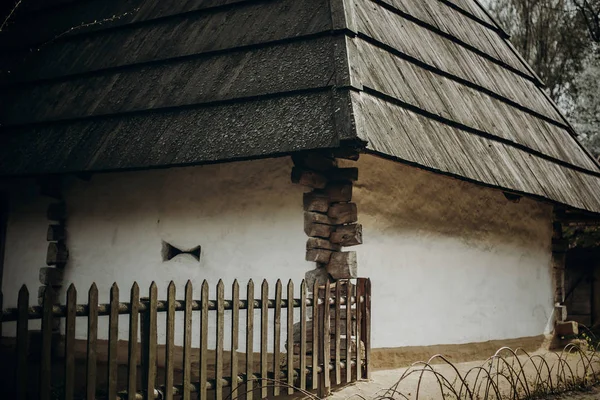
[{"x": 114, "y": 84}]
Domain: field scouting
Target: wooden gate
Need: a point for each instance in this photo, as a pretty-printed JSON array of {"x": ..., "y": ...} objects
[{"x": 314, "y": 356}]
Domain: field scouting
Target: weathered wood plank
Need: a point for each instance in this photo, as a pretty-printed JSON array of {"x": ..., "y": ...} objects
[
  {"x": 349, "y": 291},
  {"x": 303, "y": 317},
  {"x": 57, "y": 253},
  {"x": 339, "y": 192},
  {"x": 249, "y": 340},
  {"x": 326, "y": 348},
  {"x": 235, "y": 331},
  {"x": 358, "y": 289},
  {"x": 277, "y": 338},
  {"x": 151, "y": 340},
  {"x": 92, "y": 343},
  {"x": 113, "y": 337},
  {"x": 343, "y": 213},
  {"x": 320, "y": 243},
  {"x": 132, "y": 348},
  {"x": 367, "y": 328},
  {"x": 347, "y": 235},
  {"x": 204, "y": 340},
  {"x": 46, "y": 353},
  {"x": 264, "y": 328},
  {"x": 338, "y": 328},
  {"x": 308, "y": 178},
  {"x": 170, "y": 342},
  {"x": 220, "y": 332},
  {"x": 319, "y": 256},
  {"x": 315, "y": 201},
  {"x": 22, "y": 343},
  {"x": 290, "y": 337},
  {"x": 69, "y": 378},
  {"x": 315, "y": 336},
  {"x": 343, "y": 265},
  {"x": 187, "y": 341}
]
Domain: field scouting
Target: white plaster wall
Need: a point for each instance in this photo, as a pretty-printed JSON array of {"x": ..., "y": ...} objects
[
  {"x": 247, "y": 216},
  {"x": 450, "y": 262}
]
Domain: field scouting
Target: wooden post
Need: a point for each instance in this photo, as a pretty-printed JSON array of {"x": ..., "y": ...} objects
[
  {"x": 349, "y": 331},
  {"x": 290, "y": 337},
  {"x": 149, "y": 342},
  {"x": 219, "y": 340},
  {"x": 277, "y": 338},
  {"x": 303, "y": 335},
  {"x": 170, "y": 345},
  {"x": 92, "y": 343},
  {"x": 249, "y": 339},
  {"x": 338, "y": 327},
  {"x": 315, "y": 336},
  {"x": 235, "y": 327},
  {"x": 113, "y": 337},
  {"x": 46, "y": 356},
  {"x": 367, "y": 328},
  {"x": 358, "y": 306},
  {"x": 22, "y": 343},
  {"x": 326, "y": 338},
  {"x": 204, "y": 340},
  {"x": 133, "y": 345},
  {"x": 69, "y": 378},
  {"x": 264, "y": 327},
  {"x": 321, "y": 389},
  {"x": 187, "y": 341}
]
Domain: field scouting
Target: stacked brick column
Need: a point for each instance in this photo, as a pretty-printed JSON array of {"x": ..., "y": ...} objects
[{"x": 330, "y": 217}]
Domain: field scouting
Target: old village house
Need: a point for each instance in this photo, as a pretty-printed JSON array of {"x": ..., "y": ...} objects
[{"x": 400, "y": 140}]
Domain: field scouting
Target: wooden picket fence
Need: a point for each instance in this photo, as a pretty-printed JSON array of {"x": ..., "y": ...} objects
[{"x": 333, "y": 351}]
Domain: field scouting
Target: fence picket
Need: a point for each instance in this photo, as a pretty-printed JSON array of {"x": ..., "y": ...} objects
[
  {"x": 22, "y": 342},
  {"x": 264, "y": 326},
  {"x": 150, "y": 332},
  {"x": 132, "y": 348},
  {"x": 338, "y": 327},
  {"x": 113, "y": 337},
  {"x": 277, "y": 338},
  {"x": 315, "y": 336},
  {"x": 220, "y": 333},
  {"x": 348, "y": 332},
  {"x": 69, "y": 378},
  {"x": 367, "y": 328},
  {"x": 358, "y": 333},
  {"x": 187, "y": 341},
  {"x": 326, "y": 336},
  {"x": 235, "y": 326},
  {"x": 249, "y": 339},
  {"x": 46, "y": 359},
  {"x": 303, "y": 335},
  {"x": 290, "y": 337},
  {"x": 204, "y": 340},
  {"x": 170, "y": 345},
  {"x": 92, "y": 343}
]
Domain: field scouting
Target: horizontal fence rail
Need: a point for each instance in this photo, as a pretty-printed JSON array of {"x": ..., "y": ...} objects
[{"x": 325, "y": 333}]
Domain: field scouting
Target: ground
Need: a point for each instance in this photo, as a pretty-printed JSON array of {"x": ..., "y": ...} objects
[{"x": 511, "y": 375}]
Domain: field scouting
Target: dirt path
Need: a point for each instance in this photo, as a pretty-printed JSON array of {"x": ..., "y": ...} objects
[{"x": 527, "y": 374}]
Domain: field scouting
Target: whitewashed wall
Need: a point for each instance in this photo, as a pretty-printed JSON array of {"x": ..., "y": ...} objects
[
  {"x": 450, "y": 262},
  {"x": 247, "y": 216}
]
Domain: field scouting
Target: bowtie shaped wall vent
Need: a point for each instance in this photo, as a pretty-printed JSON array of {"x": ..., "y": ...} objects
[{"x": 169, "y": 252}]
